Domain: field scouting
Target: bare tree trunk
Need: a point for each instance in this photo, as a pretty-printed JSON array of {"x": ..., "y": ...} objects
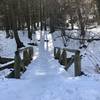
[
  {"x": 34, "y": 24},
  {"x": 81, "y": 21},
  {"x": 6, "y": 21},
  {"x": 29, "y": 30},
  {"x": 17, "y": 39},
  {"x": 45, "y": 26},
  {"x": 41, "y": 23},
  {"x": 52, "y": 29},
  {"x": 7, "y": 32},
  {"x": 72, "y": 24},
  {"x": 14, "y": 27}
]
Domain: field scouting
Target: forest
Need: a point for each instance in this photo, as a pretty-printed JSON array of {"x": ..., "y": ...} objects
[{"x": 50, "y": 49}]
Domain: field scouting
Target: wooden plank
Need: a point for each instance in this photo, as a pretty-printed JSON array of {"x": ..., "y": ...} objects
[
  {"x": 69, "y": 63},
  {"x": 77, "y": 63},
  {"x": 26, "y": 58},
  {"x": 31, "y": 53},
  {"x": 62, "y": 59},
  {"x": 7, "y": 64},
  {"x": 17, "y": 65},
  {"x": 4, "y": 60},
  {"x": 58, "y": 54},
  {"x": 24, "y": 48},
  {"x": 69, "y": 50}
]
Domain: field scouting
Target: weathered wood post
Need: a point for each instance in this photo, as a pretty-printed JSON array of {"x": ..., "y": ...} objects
[
  {"x": 77, "y": 62},
  {"x": 31, "y": 53},
  {"x": 23, "y": 68},
  {"x": 17, "y": 65},
  {"x": 57, "y": 56},
  {"x": 63, "y": 58},
  {"x": 26, "y": 59}
]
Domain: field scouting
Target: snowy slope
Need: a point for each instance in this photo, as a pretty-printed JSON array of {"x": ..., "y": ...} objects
[
  {"x": 45, "y": 79},
  {"x": 8, "y": 46},
  {"x": 91, "y": 54},
  {"x": 52, "y": 87}
]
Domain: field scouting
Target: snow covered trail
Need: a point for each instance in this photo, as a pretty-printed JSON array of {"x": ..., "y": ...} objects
[
  {"x": 44, "y": 64},
  {"x": 46, "y": 80}
]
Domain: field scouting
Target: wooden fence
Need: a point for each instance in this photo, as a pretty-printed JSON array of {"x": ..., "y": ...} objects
[
  {"x": 61, "y": 55},
  {"x": 22, "y": 59}
]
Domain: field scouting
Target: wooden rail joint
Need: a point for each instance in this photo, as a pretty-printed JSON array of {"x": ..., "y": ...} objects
[
  {"x": 61, "y": 55},
  {"x": 20, "y": 63}
]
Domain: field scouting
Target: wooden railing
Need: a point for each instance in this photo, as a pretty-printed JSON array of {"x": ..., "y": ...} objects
[
  {"x": 61, "y": 55},
  {"x": 22, "y": 59}
]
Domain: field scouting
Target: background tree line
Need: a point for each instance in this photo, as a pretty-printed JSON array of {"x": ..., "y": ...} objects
[{"x": 31, "y": 14}]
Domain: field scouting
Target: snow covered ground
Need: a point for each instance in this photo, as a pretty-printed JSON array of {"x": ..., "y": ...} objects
[
  {"x": 8, "y": 46},
  {"x": 91, "y": 55},
  {"x": 45, "y": 79}
]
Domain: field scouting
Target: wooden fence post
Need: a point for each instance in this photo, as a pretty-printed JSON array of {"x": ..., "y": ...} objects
[
  {"x": 69, "y": 62},
  {"x": 23, "y": 69},
  {"x": 31, "y": 53},
  {"x": 63, "y": 58},
  {"x": 17, "y": 65},
  {"x": 58, "y": 54},
  {"x": 26, "y": 59},
  {"x": 77, "y": 62}
]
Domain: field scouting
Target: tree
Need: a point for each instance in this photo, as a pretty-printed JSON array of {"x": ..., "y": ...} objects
[
  {"x": 98, "y": 11},
  {"x": 10, "y": 19}
]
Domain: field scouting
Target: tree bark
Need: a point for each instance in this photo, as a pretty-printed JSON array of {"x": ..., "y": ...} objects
[
  {"x": 52, "y": 29},
  {"x": 14, "y": 26}
]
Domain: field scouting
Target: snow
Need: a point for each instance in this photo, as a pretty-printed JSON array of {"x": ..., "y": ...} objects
[
  {"x": 8, "y": 46},
  {"x": 45, "y": 78},
  {"x": 44, "y": 64},
  {"x": 50, "y": 87},
  {"x": 91, "y": 54}
]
